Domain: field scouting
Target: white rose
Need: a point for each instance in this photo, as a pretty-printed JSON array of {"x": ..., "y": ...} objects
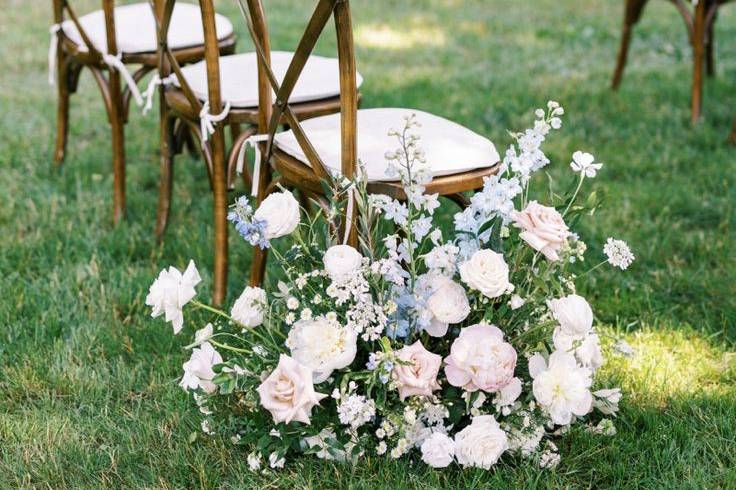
[
  {"x": 171, "y": 291},
  {"x": 481, "y": 443},
  {"x": 438, "y": 450},
  {"x": 487, "y": 272},
  {"x": 198, "y": 372},
  {"x": 573, "y": 313},
  {"x": 288, "y": 392},
  {"x": 250, "y": 307},
  {"x": 280, "y": 210},
  {"x": 322, "y": 346},
  {"x": 447, "y": 302},
  {"x": 542, "y": 228},
  {"x": 341, "y": 260}
]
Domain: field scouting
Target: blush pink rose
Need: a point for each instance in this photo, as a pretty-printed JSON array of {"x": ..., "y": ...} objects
[
  {"x": 419, "y": 377},
  {"x": 480, "y": 359},
  {"x": 288, "y": 392},
  {"x": 542, "y": 228}
]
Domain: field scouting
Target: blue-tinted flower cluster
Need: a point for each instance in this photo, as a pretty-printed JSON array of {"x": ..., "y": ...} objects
[{"x": 251, "y": 229}]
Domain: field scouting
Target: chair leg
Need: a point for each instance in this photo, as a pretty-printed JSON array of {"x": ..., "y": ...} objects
[
  {"x": 710, "y": 46},
  {"x": 258, "y": 266},
  {"x": 732, "y": 136},
  {"x": 698, "y": 39},
  {"x": 166, "y": 177},
  {"x": 62, "y": 108},
  {"x": 632, "y": 14},
  {"x": 118, "y": 146}
]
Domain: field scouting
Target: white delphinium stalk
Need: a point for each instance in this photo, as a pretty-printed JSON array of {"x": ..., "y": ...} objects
[{"x": 356, "y": 411}]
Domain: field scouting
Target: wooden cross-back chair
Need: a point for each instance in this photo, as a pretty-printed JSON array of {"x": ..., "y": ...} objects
[
  {"x": 316, "y": 149},
  {"x": 105, "y": 42},
  {"x": 700, "y": 24},
  {"x": 208, "y": 96}
]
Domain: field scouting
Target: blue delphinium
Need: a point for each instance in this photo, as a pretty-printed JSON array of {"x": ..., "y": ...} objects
[{"x": 251, "y": 229}]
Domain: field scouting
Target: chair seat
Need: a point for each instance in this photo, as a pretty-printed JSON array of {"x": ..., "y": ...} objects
[
  {"x": 450, "y": 148},
  {"x": 135, "y": 27},
  {"x": 320, "y": 78}
]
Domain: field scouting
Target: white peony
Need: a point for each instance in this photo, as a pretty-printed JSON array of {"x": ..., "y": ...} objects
[
  {"x": 487, "y": 272},
  {"x": 481, "y": 443},
  {"x": 562, "y": 388},
  {"x": 438, "y": 450},
  {"x": 171, "y": 291},
  {"x": 322, "y": 346},
  {"x": 587, "y": 350},
  {"x": 198, "y": 371},
  {"x": 280, "y": 211},
  {"x": 341, "y": 261},
  {"x": 573, "y": 314},
  {"x": 250, "y": 307},
  {"x": 447, "y": 302}
]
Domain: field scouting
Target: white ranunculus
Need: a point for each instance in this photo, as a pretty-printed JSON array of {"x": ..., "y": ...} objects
[
  {"x": 573, "y": 314},
  {"x": 487, "y": 272},
  {"x": 250, "y": 307},
  {"x": 438, "y": 450},
  {"x": 481, "y": 443},
  {"x": 562, "y": 389},
  {"x": 198, "y": 371},
  {"x": 446, "y": 302},
  {"x": 171, "y": 291},
  {"x": 341, "y": 261},
  {"x": 280, "y": 210},
  {"x": 322, "y": 346}
]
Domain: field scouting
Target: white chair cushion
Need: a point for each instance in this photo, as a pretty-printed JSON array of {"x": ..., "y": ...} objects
[
  {"x": 135, "y": 27},
  {"x": 320, "y": 78},
  {"x": 449, "y": 147}
]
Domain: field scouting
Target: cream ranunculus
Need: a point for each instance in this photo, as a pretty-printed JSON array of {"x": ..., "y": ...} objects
[
  {"x": 542, "y": 228},
  {"x": 481, "y": 443},
  {"x": 171, "y": 291},
  {"x": 573, "y": 314},
  {"x": 198, "y": 371},
  {"x": 562, "y": 388},
  {"x": 250, "y": 307},
  {"x": 322, "y": 345},
  {"x": 438, "y": 450},
  {"x": 419, "y": 376},
  {"x": 487, "y": 272},
  {"x": 341, "y": 261},
  {"x": 280, "y": 210},
  {"x": 288, "y": 392},
  {"x": 447, "y": 302},
  {"x": 480, "y": 359}
]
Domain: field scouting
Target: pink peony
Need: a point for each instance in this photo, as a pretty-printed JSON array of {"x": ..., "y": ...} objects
[
  {"x": 420, "y": 376},
  {"x": 542, "y": 228},
  {"x": 480, "y": 359},
  {"x": 288, "y": 392}
]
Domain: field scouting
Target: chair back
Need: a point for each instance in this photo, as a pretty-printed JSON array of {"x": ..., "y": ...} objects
[{"x": 62, "y": 8}]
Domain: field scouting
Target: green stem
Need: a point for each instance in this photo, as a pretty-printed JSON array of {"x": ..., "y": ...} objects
[{"x": 575, "y": 194}]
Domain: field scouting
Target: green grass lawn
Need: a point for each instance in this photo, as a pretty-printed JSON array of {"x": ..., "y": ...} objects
[{"x": 88, "y": 382}]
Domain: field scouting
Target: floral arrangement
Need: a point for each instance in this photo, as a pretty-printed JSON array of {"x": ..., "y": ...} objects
[{"x": 456, "y": 346}]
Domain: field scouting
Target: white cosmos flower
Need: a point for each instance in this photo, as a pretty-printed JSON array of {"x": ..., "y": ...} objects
[
  {"x": 438, "y": 450},
  {"x": 341, "y": 261},
  {"x": 563, "y": 388},
  {"x": 198, "y": 371},
  {"x": 573, "y": 313},
  {"x": 481, "y": 443},
  {"x": 250, "y": 307},
  {"x": 171, "y": 291},
  {"x": 607, "y": 400},
  {"x": 280, "y": 210},
  {"x": 322, "y": 346},
  {"x": 203, "y": 334},
  {"x": 583, "y": 162}
]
